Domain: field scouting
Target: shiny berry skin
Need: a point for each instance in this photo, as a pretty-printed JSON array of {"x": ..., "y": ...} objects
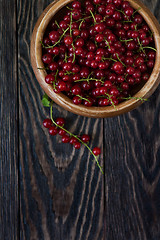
[
  {"x": 49, "y": 79},
  {"x": 53, "y": 66},
  {"x": 138, "y": 19},
  {"x": 76, "y": 90},
  {"x": 47, "y": 123},
  {"x": 77, "y": 100},
  {"x": 114, "y": 92},
  {"x": 99, "y": 38},
  {"x": 76, "y": 14},
  {"x": 79, "y": 42},
  {"x": 88, "y": 102},
  {"x": 109, "y": 11},
  {"x": 65, "y": 139},
  {"x": 76, "y": 32},
  {"x": 61, "y": 132},
  {"x": 77, "y": 145},
  {"x": 85, "y": 138},
  {"x": 99, "y": 27},
  {"x": 73, "y": 140},
  {"x": 150, "y": 63},
  {"x": 61, "y": 86},
  {"x": 151, "y": 55},
  {"x": 84, "y": 34},
  {"x": 54, "y": 36},
  {"x": 117, "y": 3},
  {"x": 67, "y": 66},
  {"x": 53, "y": 130},
  {"x": 96, "y": 151},
  {"x": 76, "y": 5},
  {"x": 118, "y": 66},
  {"x": 60, "y": 121},
  {"x": 68, "y": 40},
  {"x": 130, "y": 70},
  {"x": 129, "y": 11},
  {"x": 75, "y": 69},
  {"x": 47, "y": 58},
  {"x": 145, "y": 77},
  {"x": 94, "y": 64}
]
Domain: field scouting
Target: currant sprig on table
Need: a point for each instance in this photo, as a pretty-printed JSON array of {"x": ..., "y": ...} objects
[{"x": 57, "y": 127}]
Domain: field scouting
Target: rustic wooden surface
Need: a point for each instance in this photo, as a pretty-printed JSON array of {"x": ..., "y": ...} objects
[{"x": 50, "y": 191}]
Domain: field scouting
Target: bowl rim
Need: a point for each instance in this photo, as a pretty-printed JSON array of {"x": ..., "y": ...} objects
[{"x": 61, "y": 99}]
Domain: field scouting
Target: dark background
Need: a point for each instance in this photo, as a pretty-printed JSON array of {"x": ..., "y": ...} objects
[{"x": 48, "y": 190}]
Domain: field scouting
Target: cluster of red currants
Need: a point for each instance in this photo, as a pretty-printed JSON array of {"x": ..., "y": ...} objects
[
  {"x": 98, "y": 52},
  {"x": 67, "y": 137}
]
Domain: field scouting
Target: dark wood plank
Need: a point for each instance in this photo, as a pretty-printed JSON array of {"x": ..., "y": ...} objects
[
  {"x": 132, "y": 160},
  {"x": 8, "y": 121},
  {"x": 61, "y": 188}
]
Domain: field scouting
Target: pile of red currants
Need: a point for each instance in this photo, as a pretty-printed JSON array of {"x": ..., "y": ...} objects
[{"x": 98, "y": 52}]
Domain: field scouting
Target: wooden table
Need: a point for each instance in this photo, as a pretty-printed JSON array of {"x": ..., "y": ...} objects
[{"x": 48, "y": 190}]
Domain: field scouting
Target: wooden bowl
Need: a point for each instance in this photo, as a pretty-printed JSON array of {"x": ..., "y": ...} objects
[{"x": 56, "y": 9}]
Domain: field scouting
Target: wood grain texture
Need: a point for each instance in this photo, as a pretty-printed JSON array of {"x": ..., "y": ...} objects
[
  {"x": 132, "y": 180},
  {"x": 62, "y": 195},
  {"x": 8, "y": 123}
]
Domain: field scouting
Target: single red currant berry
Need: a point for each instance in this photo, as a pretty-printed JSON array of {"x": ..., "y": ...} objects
[
  {"x": 53, "y": 130},
  {"x": 47, "y": 58},
  {"x": 47, "y": 123},
  {"x": 60, "y": 121},
  {"x": 77, "y": 100},
  {"x": 118, "y": 66},
  {"x": 73, "y": 140},
  {"x": 85, "y": 138},
  {"x": 61, "y": 132},
  {"x": 65, "y": 138},
  {"x": 76, "y": 5},
  {"x": 76, "y": 32},
  {"x": 76, "y": 14},
  {"x": 77, "y": 145},
  {"x": 49, "y": 79},
  {"x": 129, "y": 11},
  {"x": 61, "y": 86},
  {"x": 76, "y": 90},
  {"x": 68, "y": 40},
  {"x": 54, "y": 36},
  {"x": 53, "y": 66},
  {"x": 96, "y": 151}
]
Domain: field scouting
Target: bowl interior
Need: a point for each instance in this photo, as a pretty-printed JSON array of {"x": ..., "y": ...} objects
[{"x": 145, "y": 89}]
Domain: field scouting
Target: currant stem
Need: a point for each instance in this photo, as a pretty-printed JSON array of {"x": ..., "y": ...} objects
[
  {"x": 110, "y": 99},
  {"x": 83, "y": 98},
  {"x": 75, "y": 136},
  {"x": 74, "y": 55},
  {"x": 70, "y": 26},
  {"x": 136, "y": 11},
  {"x": 126, "y": 40},
  {"x": 120, "y": 60},
  {"x": 54, "y": 83},
  {"x": 81, "y": 24},
  {"x": 57, "y": 24},
  {"x": 109, "y": 59},
  {"x": 107, "y": 43},
  {"x": 89, "y": 79},
  {"x": 136, "y": 98},
  {"x": 154, "y": 49},
  {"x": 93, "y": 17}
]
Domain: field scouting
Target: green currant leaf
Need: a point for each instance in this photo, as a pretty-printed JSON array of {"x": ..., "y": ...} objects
[{"x": 46, "y": 101}]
